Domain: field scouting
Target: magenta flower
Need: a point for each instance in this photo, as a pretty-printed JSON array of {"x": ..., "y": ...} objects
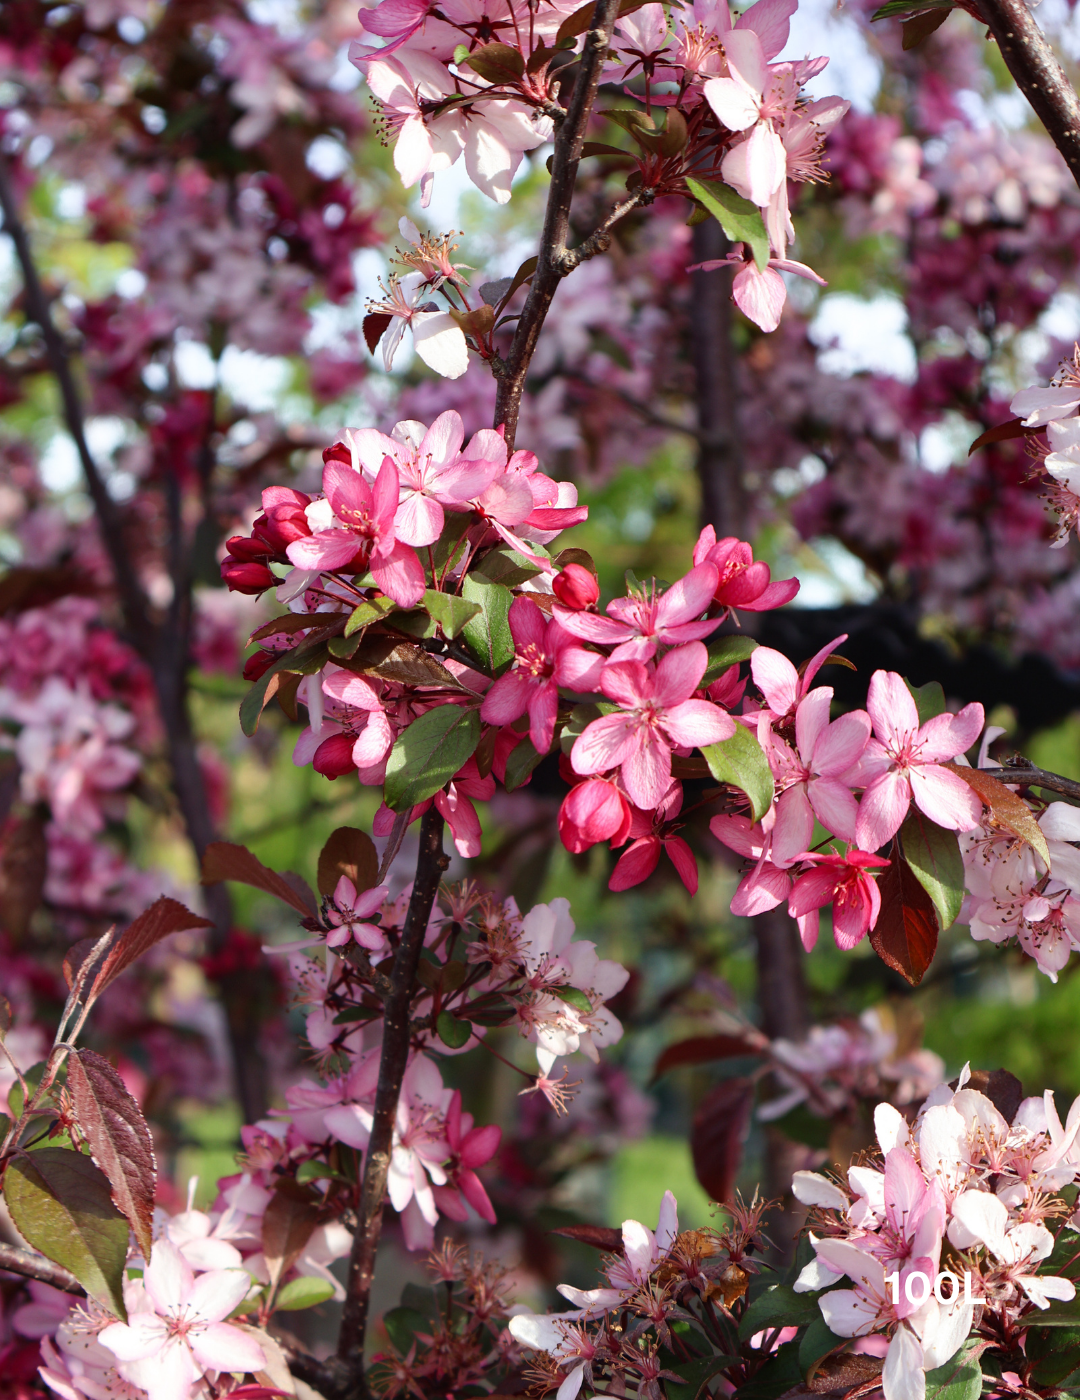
[
  {"x": 182, "y": 1333},
  {"x": 653, "y": 833},
  {"x": 635, "y": 626},
  {"x": 810, "y": 774},
  {"x": 656, "y": 715},
  {"x": 455, "y": 802},
  {"x": 361, "y": 530},
  {"x": 545, "y": 658},
  {"x": 844, "y": 882},
  {"x": 593, "y": 811},
  {"x": 765, "y": 885},
  {"x": 777, "y": 679},
  {"x": 903, "y": 762},
  {"x": 470, "y": 1148},
  {"x": 744, "y": 582},
  {"x": 432, "y": 470},
  {"x": 349, "y": 913}
]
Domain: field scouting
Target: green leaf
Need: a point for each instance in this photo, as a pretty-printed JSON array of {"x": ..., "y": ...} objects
[
  {"x": 487, "y": 634},
  {"x": 352, "y": 1014},
  {"x": 451, "y": 1031},
  {"x": 449, "y": 611},
  {"x": 371, "y": 610},
  {"x": 461, "y": 53},
  {"x": 317, "y": 1171},
  {"x": 696, "y": 1374},
  {"x": 929, "y": 699},
  {"x": 725, "y": 652},
  {"x": 911, "y": 7},
  {"x": 417, "y": 622},
  {"x": 1059, "y": 1314},
  {"x": 62, "y": 1205},
  {"x": 741, "y": 762},
  {"x": 740, "y": 220},
  {"x": 959, "y": 1379},
  {"x": 573, "y": 996},
  {"x": 934, "y": 856},
  {"x": 778, "y": 1306},
  {"x": 776, "y": 1377},
  {"x": 303, "y": 1293},
  {"x": 428, "y": 754},
  {"x": 401, "y": 1324},
  {"x": 506, "y": 565},
  {"x": 522, "y": 760},
  {"x": 815, "y": 1344}
]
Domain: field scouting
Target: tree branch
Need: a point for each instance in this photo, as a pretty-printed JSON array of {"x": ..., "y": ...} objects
[
  {"x": 392, "y": 1063},
  {"x": 554, "y": 255},
  {"x": 1030, "y": 59},
  {"x": 21, "y": 1261},
  {"x": 1020, "y": 770}
]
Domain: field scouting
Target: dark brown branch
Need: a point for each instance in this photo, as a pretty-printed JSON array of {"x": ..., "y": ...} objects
[
  {"x": 21, "y": 1261},
  {"x": 1037, "y": 73},
  {"x": 1017, "y": 770},
  {"x": 719, "y": 461},
  {"x": 392, "y": 1063},
  {"x": 551, "y": 266}
]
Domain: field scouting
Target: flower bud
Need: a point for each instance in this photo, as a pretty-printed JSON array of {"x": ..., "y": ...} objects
[
  {"x": 333, "y": 758},
  {"x": 575, "y": 587},
  {"x": 594, "y": 811},
  {"x": 241, "y": 576},
  {"x": 247, "y": 549},
  {"x": 258, "y": 665}
]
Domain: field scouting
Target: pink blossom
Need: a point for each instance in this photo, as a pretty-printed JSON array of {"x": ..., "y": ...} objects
[
  {"x": 359, "y": 521},
  {"x": 903, "y": 762},
  {"x": 759, "y": 293},
  {"x": 575, "y": 587},
  {"x": 651, "y": 834},
  {"x": 755, "y": 99},
  {"x": 844, "y": 882},
  {"x": 779, "y": 682},
  {"x": 810, "y": 775},
  {"x": 545, "y": 657},
  {"x": 182, "y": 1333},
  {"x": 637, "y": 625},
  {"x": 439, "y": 340},
  {"x": 349, "y": 911},
  {"x": 456, "y": 805},
  {"x": 743, "y": 581},
  {"x": 593, "y": 811},
  {"x": 470, "y": 1148},
  {"x": 765, "y": 885},
  {"x": 656, "y": 714}
]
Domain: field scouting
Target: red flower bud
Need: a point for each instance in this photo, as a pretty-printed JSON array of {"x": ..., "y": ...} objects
[
  {"x": 258, "y": 665},
  {"x": 333, "y": 758},
  {"x": 241, "y": 576},
  {"x": 594, "y": 811},
  {"x": 575, "y": 587},
  {"x": 245, "y": 548},
  {"x": 338, "y": 453}
]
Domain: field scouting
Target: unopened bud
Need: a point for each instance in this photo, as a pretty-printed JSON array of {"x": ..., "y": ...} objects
[
  {"x": 241, "y": 576},
  {"x": 575, "y": 587},
  {"x": 333, "y": 758}
]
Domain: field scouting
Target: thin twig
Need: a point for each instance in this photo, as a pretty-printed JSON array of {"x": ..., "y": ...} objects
[
  {"x": 1032, "y": 63},
  {"x": 1019, "y": 770},
  {"x": 36, "y": 1266},
  {"x": 392, "y": 1064},
  {"x": 553, "y": 252}
]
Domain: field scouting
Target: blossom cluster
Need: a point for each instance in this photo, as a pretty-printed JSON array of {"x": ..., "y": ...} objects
[
  {"x": 732, "y": 114},
  {"x": 964, "y": 1191},
  {"x": 491, "y": 966}
]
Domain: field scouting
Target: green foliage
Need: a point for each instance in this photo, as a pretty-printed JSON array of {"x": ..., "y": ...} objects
[
  {"x": 740, "y": 220},
  {"x": 303, "y": 1293},
  {"x": 741, "y": 762},
  {"x": 428, "y": 754},
  {"x": 934, "y": 856},
  {"x": 487, "y": 632}
]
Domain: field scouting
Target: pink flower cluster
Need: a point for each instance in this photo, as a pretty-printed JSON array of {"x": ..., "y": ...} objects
[
  {"x": 963, "y": 1177},
  {"x": 817, "y": 768},
  {"x": 527, "y": 970}
]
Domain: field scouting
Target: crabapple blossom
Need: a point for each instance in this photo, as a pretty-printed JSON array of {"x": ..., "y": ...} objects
[
  {"x": 743, "y": 581},
  {"x": 903, "y": 762},
  {"x": 178, "y": 1332},
  {"x": 656, "y": 714},
  {"x": 844, "y": 881},
  {"x": 637, "y": 626}
]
